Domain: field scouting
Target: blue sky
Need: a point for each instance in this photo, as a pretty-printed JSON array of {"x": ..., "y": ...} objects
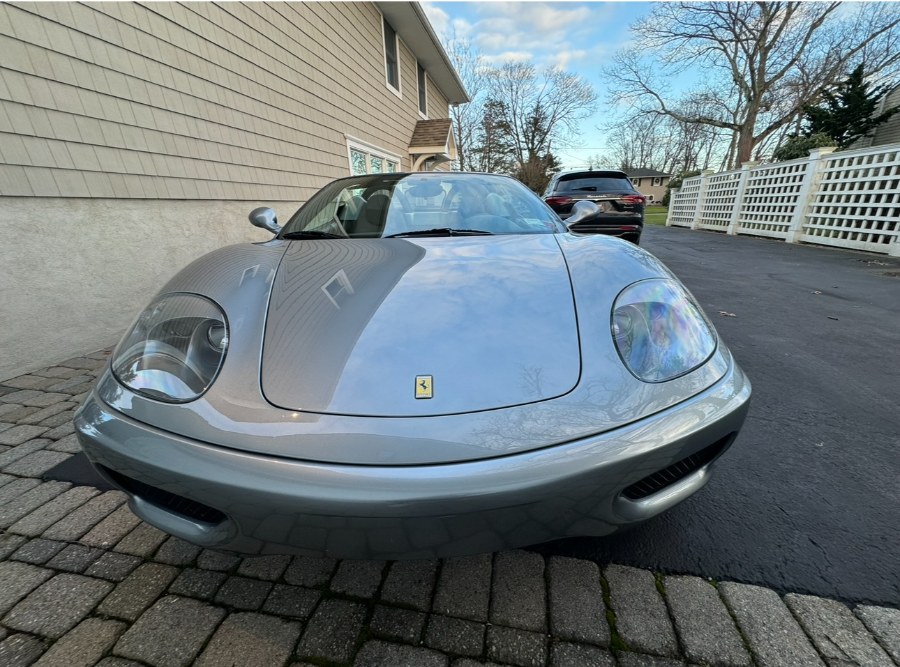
[{"x": 579, "y": 36}]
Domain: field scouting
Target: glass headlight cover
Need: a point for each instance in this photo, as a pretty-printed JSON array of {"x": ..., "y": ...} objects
[
  {"x": 174, "y": 351},
  {"x": 659, "y": 331}
]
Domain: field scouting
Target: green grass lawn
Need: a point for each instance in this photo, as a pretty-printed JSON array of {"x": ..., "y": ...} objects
[{"x": 655, "y": 215}]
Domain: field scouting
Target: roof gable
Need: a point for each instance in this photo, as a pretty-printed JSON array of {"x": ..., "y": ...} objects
[
  {"x": 645, "y": 173},
  {"x": 432, "y": 139},
  {"x": 430, "y": 133}
]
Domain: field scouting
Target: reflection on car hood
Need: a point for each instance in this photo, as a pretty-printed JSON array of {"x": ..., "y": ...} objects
[{"x": 477, "y": 323}]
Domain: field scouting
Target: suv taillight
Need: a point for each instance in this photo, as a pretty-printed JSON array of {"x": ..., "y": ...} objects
[
  {"x": 632, "y": 199},
  {"x": 558, "y": 201}
]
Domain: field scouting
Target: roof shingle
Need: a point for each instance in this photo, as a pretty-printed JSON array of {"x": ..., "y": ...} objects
[
  {"x": 431, "y": 133},
  {"x": 644, "y": 173}
]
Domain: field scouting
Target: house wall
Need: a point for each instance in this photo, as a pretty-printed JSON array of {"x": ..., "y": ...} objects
[
  {"x": 134, "y": 138},
  {"x": 645, "y": 186},
  {"x": 889, "y": 132}
]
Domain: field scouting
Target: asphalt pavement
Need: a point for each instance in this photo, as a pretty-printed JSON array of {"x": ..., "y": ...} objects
[{"x": 808, "y": 498}]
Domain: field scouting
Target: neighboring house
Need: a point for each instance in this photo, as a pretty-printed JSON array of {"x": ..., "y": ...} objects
[
  {"x": 649, "y": 182},
  {"x": 889, "y": 131},
  {"x": 136, "y": 137}
]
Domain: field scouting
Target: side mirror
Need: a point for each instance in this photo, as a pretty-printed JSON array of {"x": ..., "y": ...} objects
[
  {"x": 264, "y": 217},
  {"x": 581, "y": 211}
]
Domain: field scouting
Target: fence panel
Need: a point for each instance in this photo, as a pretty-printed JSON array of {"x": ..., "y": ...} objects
[
  {"x": 857, "y": 201},
  {"x": 771, "y": 197},
  {"x": 720, "y": 200},
  {"x": 683, "y": 203}
]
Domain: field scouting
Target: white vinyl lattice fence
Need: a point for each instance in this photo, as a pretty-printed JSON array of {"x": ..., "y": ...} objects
[
  {"x": 719, "y": 200},
  {"x": 849, "y": 199},
  {"x": 682, "y": 208},
  {"x": 771, "y": 198}
]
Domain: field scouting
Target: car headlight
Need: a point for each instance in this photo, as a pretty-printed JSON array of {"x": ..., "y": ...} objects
[
  {"x": 660, "y": 332},
  {"x": 174, "y": 350}
]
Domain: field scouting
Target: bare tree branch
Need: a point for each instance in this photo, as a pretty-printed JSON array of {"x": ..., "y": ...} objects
[
  {"x": 543, "y": 108},
  {"x": 766, "y": 59}
]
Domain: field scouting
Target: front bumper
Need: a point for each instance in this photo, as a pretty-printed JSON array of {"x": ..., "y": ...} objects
[{"x": 266, "y": 504}]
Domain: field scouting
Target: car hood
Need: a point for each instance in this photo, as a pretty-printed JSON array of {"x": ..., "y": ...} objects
[
  {"x": 477, "y": 323},
  {"x": 533, "y": 287}
]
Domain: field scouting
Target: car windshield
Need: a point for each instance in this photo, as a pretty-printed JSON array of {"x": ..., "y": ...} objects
[
  {"x": 594, "y": 184},
  {"x": 420, "y": 204}
]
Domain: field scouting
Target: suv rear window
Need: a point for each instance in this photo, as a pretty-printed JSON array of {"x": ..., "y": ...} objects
[{"x": 594, "y": 184}]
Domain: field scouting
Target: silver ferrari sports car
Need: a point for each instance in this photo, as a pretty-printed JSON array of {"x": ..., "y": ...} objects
[{"x": 416, "y": 365}]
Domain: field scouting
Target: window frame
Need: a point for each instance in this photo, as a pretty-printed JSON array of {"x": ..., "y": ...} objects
[
  {"x": 398, "y": 90},
  {"x": 422, "y": 90},
  {"x": 370, "y": 151}
]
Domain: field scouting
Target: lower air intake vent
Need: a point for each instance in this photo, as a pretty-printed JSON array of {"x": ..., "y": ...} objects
[
  {"x": 190, "y": 509},
  {"x": 677, "y": 471}
]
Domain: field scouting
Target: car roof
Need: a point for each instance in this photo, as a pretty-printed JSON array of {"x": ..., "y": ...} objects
[
  {"x": 426, "y": 174},
  {"x": 595, "y": 173}
]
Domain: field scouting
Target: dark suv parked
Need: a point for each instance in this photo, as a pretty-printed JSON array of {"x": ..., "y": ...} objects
[{"x": 621, "y": 206}]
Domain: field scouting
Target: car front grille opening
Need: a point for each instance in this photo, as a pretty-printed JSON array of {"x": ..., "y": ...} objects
[
  {"x": 189, "y": 509},
  {"x": 677, "y": 471}
]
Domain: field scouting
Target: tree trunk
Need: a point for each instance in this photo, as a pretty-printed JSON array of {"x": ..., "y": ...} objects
[{"x": 745, "y": 141}]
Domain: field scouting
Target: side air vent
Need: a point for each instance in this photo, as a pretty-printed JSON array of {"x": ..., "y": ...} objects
[
  {"x": 677, "y": 471},
  {"x": 190, "y": 509}
]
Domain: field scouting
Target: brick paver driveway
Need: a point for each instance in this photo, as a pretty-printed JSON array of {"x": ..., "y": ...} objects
[{"x": 83, "y": 581}]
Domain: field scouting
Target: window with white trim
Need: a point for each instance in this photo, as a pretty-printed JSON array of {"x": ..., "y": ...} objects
[
  {"x": 391, "y": 56},
  {"x": 423, "y": 89},
  {"x": 657, "y": 181},
  {"x": 368, "y": 159}
]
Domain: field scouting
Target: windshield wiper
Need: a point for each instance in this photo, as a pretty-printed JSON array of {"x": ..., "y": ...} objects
[
  {"x": 441, "y": 231},
  {"x": 311, "y": 234}
]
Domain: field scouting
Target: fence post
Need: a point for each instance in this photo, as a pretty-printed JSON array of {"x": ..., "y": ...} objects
[
  {"x": 735, "y": 221},
  {"x": 807, "y": 190},
  {"x": 701, "y": 196},
  {"x": 894, "y": 248},
  {"x": 673, "y": 194}
]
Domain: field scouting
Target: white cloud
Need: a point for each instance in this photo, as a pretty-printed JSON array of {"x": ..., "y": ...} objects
[
  {"x": 439, "y": 19},
  {"x": 562, "y": 59},
  {"x": 444, "y": 26},
  {"x": 462, "y": 28},
  {"x": 554, "y": 34},
  {"x": 508, "y": 56},
  {"x": 543, "y": 15},
  {"x": 541, "y": 24}
]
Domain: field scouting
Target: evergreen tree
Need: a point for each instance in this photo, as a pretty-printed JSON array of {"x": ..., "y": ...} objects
[
  {"x": 537, "y": 171},
  {"x": 847, "y": 112},
  {"x": 799, "y": 146},
  {"x": 492, "y": 146}
]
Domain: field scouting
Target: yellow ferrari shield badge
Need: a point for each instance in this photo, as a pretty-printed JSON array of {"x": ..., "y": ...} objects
[{"x": 423, "y": 386}]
